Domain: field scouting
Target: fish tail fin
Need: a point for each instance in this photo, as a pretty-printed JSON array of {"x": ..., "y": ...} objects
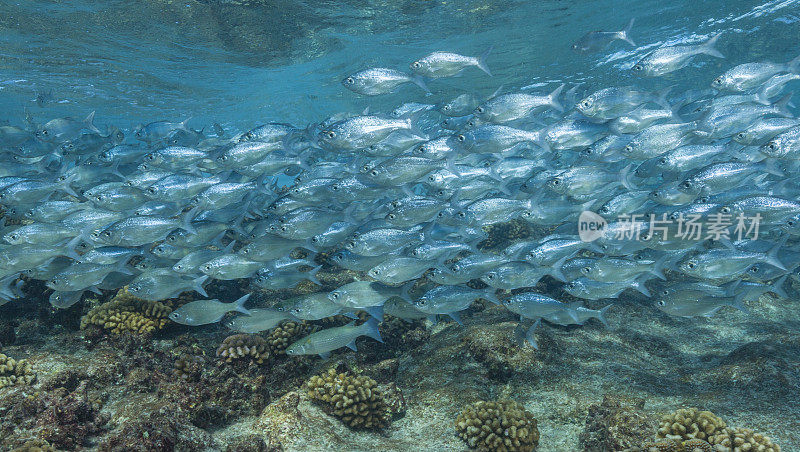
[
  {"x": 601, "y": 315},
  {"x": 658, "y": 268},
  {"x": 312, "y": 275},
  {"x": 661, "y": 98},
  {"x": 777, "y": 287},
  {"x": 420, "y": 81},
  {"x": 794, "y": 65},
  {"x": 405, "y": 291},
  {"x": 625, "y": 177},
  {"x": 555, "y": 269},
  {"x": 489, "y": 295},
  {"x": 482, "y": 61},
  {"x": 197, "y": 285},
  {"x": 709, "y": 49},
  {"x": 89, "y": 121},
  {"x": 553, "y": 98},
  {"x": 529, "y": 337},
  {"x": 772, "y": 166},
  {"x": 413, "y": 124},
  {"x": 639, "y": 286},
  {"x": 771, "y": 257},
  {"x": 623, "y": 35},
  {"x": 186, "y": 220},
  {"x": 370, "y": 328},
  {"x": 782, "y": 104},
  {"x": 738, "y": 303},
  {"x": 240, "y": 304}
]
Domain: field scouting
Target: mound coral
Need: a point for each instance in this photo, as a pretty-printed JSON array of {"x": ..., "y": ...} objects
[
  {"x": 616, "y": 424},
  {"x": 743, "y": 440},
  {"x": 690, "y": 423},
  {"x": 126, "y": 314},
  {"x": 15, "y": 373},
  {"x": 283, "y": 335},
  {"x": 502, "y": 426},
  {"x": 356, "y": 400},
  {"x": 35, "y": 445},
  {"x": 250, "y": 347},
  {"x": 189, "y": 366}
]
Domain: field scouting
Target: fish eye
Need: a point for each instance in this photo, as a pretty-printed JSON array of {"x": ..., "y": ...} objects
[
  {"x": 447, "y": 108},
  {"x": 628, "y": 148},
  {"x": 686, "y": 184},
  {"x": 662, "y": 160},
  {"x": 416, "y": 65},
  {"x": 480, "y": 110},
  {"x": 490, "y": 276},
  {"x": 331, "y": 134},
  {"x": 772, "y": 146},
  {"x": 461, "y": 138},
  {"x": 662, "y": 303},
  {"x": 391, "y": 216},
  {"x": 740, "y": 135},
  {"x": 605, "y": 209},
  {"x": 555, "y": 182},
  {"x": 690, "y": 265},
  {"x": 461, "y": 215},
  {"x": 14, "y": 236},
  {"x": 588, "y": 151},
  {"x": 718, "y": 80},
  {"x": 107, "y": 233},
  {"x": 790, "y": 222},
  {"x": 754, "y": 269},
  {"x": 440, "y": 214},
  {"x": 206, "y": 267},
  {"x": 335, "y": 295},
  {"x": 586, "y": 270},
  {"x": 638, "y": 67},
  {"x": 62, "y": 178},
  {"x": 151, "y": 190},
  {"x": 151, "y": 157},
  {"x": 335, "y": 187},
  {"x": 419, "y": 150},
  {"x": 223, "y": 157},
  {"x": 349, "y": 80},
  {"x": 586, "y": 103},
  {"x": 422, "y": 302},
  {"x": 373, "y": 173},
  {"x": 725, "y": 210}
]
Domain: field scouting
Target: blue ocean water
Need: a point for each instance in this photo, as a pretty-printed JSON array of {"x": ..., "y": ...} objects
[{"x": 241, "y": 63}]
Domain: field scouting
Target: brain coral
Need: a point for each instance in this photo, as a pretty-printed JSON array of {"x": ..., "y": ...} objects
[
  {"x": 743, "y": 440},
  {"x": 690, "y": 423},
  {"x": 128, "y": 314},
  {"x": 244, "y": 347},
  {"x": 356, "y": 400},
  {"x": 15, "y": 373},
  {"x": 502, "y": 426}
]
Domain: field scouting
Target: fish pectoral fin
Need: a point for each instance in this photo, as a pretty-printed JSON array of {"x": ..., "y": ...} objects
[
  {"x": 352, "y": 346},
  {"x": 325, "y": 355}
]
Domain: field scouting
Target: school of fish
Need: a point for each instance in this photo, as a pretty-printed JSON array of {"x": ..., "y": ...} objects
[{"x": 690, "y": 198}]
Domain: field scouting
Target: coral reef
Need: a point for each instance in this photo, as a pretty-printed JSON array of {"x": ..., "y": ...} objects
[
  {"x": 244, "y": 347},
  {"x": 158, "y": 431},
  {"x": 283, "y": 336},
  {"x": 35, "y": 445},
  {"x": 692, "y": 445},
  {"x": 64, "y": 413},
  {"x": 126, "y": 314},
  {"x": 502, "y": 426},
  {"x": 500, "y": 234},
  {"x": 743, "y": 440},
  {"x": 15, "y": 373},
  {"x": 690, "y": 423},
  {"x": 616, "y": 424},
  {"x": 189, "y": 366},
  {"x": 356, "y": 400}
]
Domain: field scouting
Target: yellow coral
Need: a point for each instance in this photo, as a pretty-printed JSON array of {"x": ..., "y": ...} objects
[
  {"x": 743, "y": 440},
  {"x": 128, "y": 314},
  {"x": 244, "y": 346},
  {"x": 15, "y": 373},
  {"x": 356, "y": 400},
  {"x": 282, "y": 336},
  {"x": 690, "y": 423},
  {"x": 503, "y": 426}
]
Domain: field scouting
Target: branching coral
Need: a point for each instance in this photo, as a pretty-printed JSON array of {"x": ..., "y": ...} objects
[
  {"x": 249, "y": 347},
  {"x": 502, "y": 426},
  {"x": 286, "y": 333},
  {"x": 743, "y": 440},
  {"x": 128, "y": 314},
  {"x": 690, "y": 423},
  {"x": 356, "y": 400},
  {"x": 15, "y": 373}
]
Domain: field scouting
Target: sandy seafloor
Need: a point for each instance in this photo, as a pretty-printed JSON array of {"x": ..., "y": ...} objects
[{"x": 745, "y": 368}]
